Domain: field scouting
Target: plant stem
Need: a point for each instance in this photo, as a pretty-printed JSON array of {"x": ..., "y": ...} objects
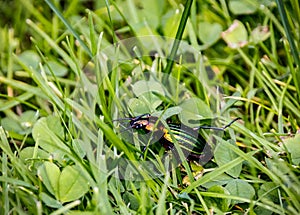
[
  {"x": 288, "y": 32},
  {"x": 184, "y": 18}
]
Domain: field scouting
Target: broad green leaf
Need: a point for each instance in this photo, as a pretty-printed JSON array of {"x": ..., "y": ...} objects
[
  {"x": 48, "y": 132},
  {"x": 151, "y": 100},
  {"x": 239, "y": 7},
  {"x": 49, "y": 201},
  {"x": 236, "y": 35},
  {"x": 148, "y": 12},
  {"x": 143, "y": 86},
  {"x": 268, "y": 190},
  {"x": 56, "y": 68},
  {"x": 131, "y": 200},
  {"x": 78, "y": 147},
  {"x": 49, "y": 174},
  {"x": 12, "y": 125},
  {"x": 259, "y": 34},
  {"x": 30, "y": 59},
  {"x": 184, "y": 195},
  {"x": 170, "y": 22},
  {"x": 66, "y": 186},
  {"x": 34, "y": 157},
  {"x": 72, "y": 185},
  {"x": 138, "y": 107},
  {"x": 31, "y": 152},
  {"x": 277, "y": 165},
  {"x": 55, "y": 126},
  {"x": 168, "y": 113},
  {"x": 240, "y": 188},
  {"x": 209, "y": 33},
  {"x": 224, "y": 155},
  {"x": 28, "y": 118},
  {"x": 152, "y": 11},
  {"x": 293, "y": 147},
  {"x": 222, "y": 204},
  {"x": 262, "y": 210},
  {"x": 22, "y": 124},
  {"x": 219, "y": 180},
  {"x": 194, "y": 109}
]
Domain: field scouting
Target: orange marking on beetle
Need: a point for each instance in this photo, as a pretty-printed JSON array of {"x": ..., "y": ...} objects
[
  {"x": 150, "y": 127},
  {"x": 167, "y": 136}
]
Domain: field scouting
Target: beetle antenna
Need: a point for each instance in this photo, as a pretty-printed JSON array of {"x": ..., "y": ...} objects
[
  {"x": 218, "y": 128},
  {"x": 229, "y": 124}
]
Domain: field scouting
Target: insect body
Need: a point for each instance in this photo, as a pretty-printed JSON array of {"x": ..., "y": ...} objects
[{"x": 191, "y": 142}]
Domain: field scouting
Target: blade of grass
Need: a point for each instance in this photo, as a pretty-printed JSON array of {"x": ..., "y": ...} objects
[
  {"x": 5, "y": 198},
  {"x": 161, "y": 208},
  {"x": 66, "y": 208},
  {"x": 13, "y": 101},
  {"x": 278, "y": 176},
  {"x": 23, "y": 86},
  {"x": 178, "y": 37},
  {"x": 68, "y": 25},
  {"x": 208, "y": 177},
  {"x": 53, "y": 44},
  {"x": 36, "y": 13},
  {"x": 92, "y": 34},
  {"x": 294, "y": 50},
  {"x": 17, "y": 163},
  {"x": 110, "y": 21},
  {"x": 271, "y": 206}
]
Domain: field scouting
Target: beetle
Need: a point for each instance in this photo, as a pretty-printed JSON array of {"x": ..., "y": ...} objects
[{"x": 191, "y": 141}]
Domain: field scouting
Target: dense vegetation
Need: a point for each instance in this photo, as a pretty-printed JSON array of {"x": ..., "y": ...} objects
[{"x": 69, "y": 70}]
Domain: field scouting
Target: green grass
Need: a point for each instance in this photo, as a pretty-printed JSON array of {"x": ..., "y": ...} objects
[{"x": 67, "y": 70}]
